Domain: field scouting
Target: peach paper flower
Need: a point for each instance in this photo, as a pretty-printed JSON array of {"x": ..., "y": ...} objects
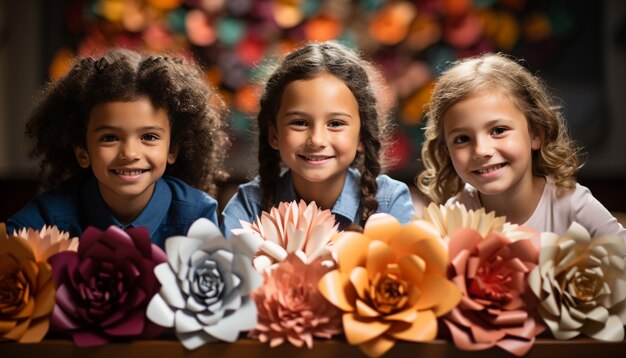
[
  {"x": 448, "y": 218},
  {"x": 390, "y": 284},
  {"x": 303, "y": 229},
  {"x": 290, "y": 306},
  {"x": 581, "y": 283},
  {"x": 497, "y": 305},
  {"x": 26, "y": 286}
]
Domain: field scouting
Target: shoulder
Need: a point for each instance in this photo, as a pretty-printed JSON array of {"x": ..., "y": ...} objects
[
  {"x": 388, "y": 186},
  {"x": 186, "y": 195},
  {"x": 468, "y": 196},
  {"x": 59, "y": 206}
]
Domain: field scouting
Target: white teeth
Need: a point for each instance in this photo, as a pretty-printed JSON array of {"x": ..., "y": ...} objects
[
  {"x": 128, "y": 172},
  {"x": 490, "y": 169},
  {"x": 314, "y": 158}
]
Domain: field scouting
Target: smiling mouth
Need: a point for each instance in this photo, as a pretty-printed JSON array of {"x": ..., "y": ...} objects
[
  {"x": 129, "y": 172},
  {"x": 314, "y": 158},
  {"x": 489, "y": 169}
]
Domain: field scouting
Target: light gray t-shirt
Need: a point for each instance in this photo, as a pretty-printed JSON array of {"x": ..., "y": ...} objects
[{"x": 556, "y": 210}]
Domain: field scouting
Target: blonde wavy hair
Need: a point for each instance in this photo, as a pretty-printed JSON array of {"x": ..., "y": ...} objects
[{"x": 558, "y": 155}]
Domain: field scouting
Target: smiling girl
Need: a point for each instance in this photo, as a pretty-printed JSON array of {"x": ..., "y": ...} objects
[
  {"x": 319, "y": 119},
  {"x": 495, "y": 139},
  {"x": 123, "y": 140}
]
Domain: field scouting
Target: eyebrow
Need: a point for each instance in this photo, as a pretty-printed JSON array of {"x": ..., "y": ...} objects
[
  {"x": 143, "y": 129},
  {"x": 300, "y": 113}
]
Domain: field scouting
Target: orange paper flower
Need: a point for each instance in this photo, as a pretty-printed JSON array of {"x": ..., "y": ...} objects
[
  {"x": 298, "y": 228},
  {"x": 290, "y": 306},
  {"x": 26, "y": 286},
  {"x": 390, "y": 284}
]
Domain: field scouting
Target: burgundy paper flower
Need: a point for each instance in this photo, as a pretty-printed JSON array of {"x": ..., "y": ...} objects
[
  {"x": 104, "y": 288},
  {"x": 497, "y": 307},
  {"x": 290, "y": 306}
]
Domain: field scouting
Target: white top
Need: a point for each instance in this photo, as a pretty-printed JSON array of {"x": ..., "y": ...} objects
[{"x": 556, "y": 210}]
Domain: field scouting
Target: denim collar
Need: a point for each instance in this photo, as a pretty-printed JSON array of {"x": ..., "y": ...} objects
[
  {"x": 99, "y": 215},
  {"x": 347, "y": 204}
]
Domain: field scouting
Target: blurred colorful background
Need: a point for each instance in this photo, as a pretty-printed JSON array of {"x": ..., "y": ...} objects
[{"x": 568, "y": 43}]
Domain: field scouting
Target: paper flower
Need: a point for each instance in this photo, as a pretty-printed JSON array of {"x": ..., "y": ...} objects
[
  {"x": 390, "y": 283},
  {"x": 448, "y": 218},
  {"x": 292, "y": 227},
  {"x": 290, "y": 307},
  {"x": 48, "y": 241},
  {"x": 497, "y": 305},
  {"x": 206, "y": 285},
  {"x": 26, "y": 291},
  {"x": 581, "y": 284},
  {"x": 104, "y": 288}
]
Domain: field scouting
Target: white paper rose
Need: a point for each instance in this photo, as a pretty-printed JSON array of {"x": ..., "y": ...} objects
[
  {"x": 206, "y": 286},
  {"x": 581, "y": 284}
]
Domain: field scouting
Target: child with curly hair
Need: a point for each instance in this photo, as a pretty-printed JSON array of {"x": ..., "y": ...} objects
[
  {"x": 123, "y": 140},
  {"x": 319, "y": 117},
  {"x": 496, "y": 139}
]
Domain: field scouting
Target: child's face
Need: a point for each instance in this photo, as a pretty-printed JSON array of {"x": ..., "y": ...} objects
[
  {"x": 317, "y": 129},
  {"x": 128, "y": 148},
  {"x": 490, "y": 144}
]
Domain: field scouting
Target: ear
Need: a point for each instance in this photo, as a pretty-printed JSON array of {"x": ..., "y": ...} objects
[
  {"x": 360, "y": 148},
  {"x": 82, "y": 157},
  {"x": 272, "y": 137},
  {"x": 172, "y": 155},
  {"x": 537, "y": 138}
]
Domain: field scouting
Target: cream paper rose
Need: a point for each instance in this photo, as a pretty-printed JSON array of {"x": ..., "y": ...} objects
[{"x": 581, "y": 284}]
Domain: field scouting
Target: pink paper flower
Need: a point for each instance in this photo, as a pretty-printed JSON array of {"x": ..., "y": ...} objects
[
  {"x": 497, "y": 308},
  {"x": 290, "y": 306},
  {"x": 298, "y": 228},
  {"x": 26, "y": 290},
  {"x": 104, "y": 288}
]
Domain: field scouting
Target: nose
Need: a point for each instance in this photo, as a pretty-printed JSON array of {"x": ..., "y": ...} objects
[
  {"x": 483, "y": 148},
  {"x": 317, "y": 137},
  {"x": 129, "y": 150}
]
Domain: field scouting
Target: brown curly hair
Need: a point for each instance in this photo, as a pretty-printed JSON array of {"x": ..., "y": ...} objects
[
  {"x": 365, "y": 83},
  {"x": 196, "y": 112},
  {"x": 558, "y": 155}
]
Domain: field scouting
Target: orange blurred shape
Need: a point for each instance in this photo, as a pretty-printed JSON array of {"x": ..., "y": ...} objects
[
  {"x": 165, "y": 4},
  {"x": 133, "y": 19},
  {"x": 391, "y": 25},
  {"x": 287, "y": 13},
  {"x": 199, "y": 27},
  {"x": 247, "y": 99},
  {"x": 213, "y": 76},
  {"x": 454, "y": 8},
  {"x": 508, "y": 31},
  {"x": 61, "y": 63},
  {"x": 464, "y": 31},
  {"x": 286, "y": 46},
  {"x": 489, "y": 20},
  {"x": 323, "y": 28},
  {"x": 414, "y": 108},
  {"x": 425, "y": 31},
  {"x": 537, "y": 27},
  {"x": 112, "y": 10}
]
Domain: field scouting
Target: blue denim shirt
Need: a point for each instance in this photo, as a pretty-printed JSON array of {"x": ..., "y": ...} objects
[
  {"x": 393, "y": 198},
  {"x": 77, "y": 204}
]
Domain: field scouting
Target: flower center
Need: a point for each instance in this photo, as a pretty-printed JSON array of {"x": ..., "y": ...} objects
[
  {"x": 208, "y": 283},
  {"x": 493, "y": 284},
  {"x": 389, "y": 293},
  {"x": 585, "y": 288},
  {"x": 14, "y": 292}
]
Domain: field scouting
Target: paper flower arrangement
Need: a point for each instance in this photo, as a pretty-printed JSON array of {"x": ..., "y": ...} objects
[
  {"x": 303, "y": 229},
  {"x": 104, "y": 287},
  {"x": 206, "y": 285},
  {"x": 390, "y": 283},
  {"x": 497, "y": 305},
  {"x": 290, "y": 306},
  {"x": 581, "y": 284},
  {"x": 26, "y": 285}
]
